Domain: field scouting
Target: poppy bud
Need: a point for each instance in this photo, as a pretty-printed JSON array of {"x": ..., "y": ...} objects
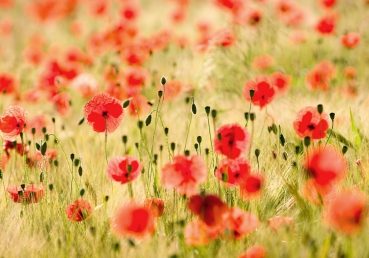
[
  {"x": 124, "y": 139},
  {"x": 320, "y": 108},
  {"x": 332, "y": 115},
  {"x": 126, "y": 103},
  {"x": 72, "y": 156},
  {"x": 51, "y": 187},
  {"x": 207, "y": 110},
  {"x": 207, "y": 151},
  {"x": 160, "y": 93},
  {"x": 1, "y": 173},
  {"x": 53, "y": 120},
  {"x": 285, "y": 155},
  {"x": 81, "y": 192},
  {"x": 196, "y": 145},
  {"x": 187, "y": 153},
  {"x": 163, "y": 80},
  {"x": 194, "y": 109},
  {"x": 247, "y": 114},
  {"x": 307, "y": 141},
  {"x": 56, "y": 163},
  {"x": 199, "y": 139},
  {"x": 257, "y": 153},
  {"x": 81, "y": 121},
  {"x": 172, "y": 146},
  {"x": 80, "y": 171},
  {"x": 214, "y": 113},
  {"x": 148, "y": 120},
  {"x": 252, "y": 93},
  {"x": 106, "y": 198},
  {"x": 166, "y": 130},
  {"x": 43, "y": 130},
  {"x": 33, "y": 130},
  {"x": 41, "y": 177},
  {"x": 281, "y": 139},
  {"x": 344, "y": 149},
  {"x": 140, "y": 124},
  {"x": 252, "y": 116},
  {"x": 297, "y": 150},
  {"x": 76, "y": 162},
  {"x": 187, "y": 100}
]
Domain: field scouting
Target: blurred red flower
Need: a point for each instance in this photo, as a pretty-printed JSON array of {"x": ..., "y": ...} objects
[
  {"x": 282, "y": 81},
  {"x": 133, "y": 219},
  {"x": 351, "y": 39},
  {"x": 124, "y": 169},
  {"x": 239, "y": 223},
  {"x": 263, "y": 62},
  {"x": 326, "y": 24},
  {"x": 198, "y": 233},
  {"x": 316, "y": 193},
  {"x": 232, "y": 171},
  {"x": 309, "y": 123},
  {"x": 184, "y": 174},
  {"x": 256, "y": 251},
  {"x": 251, "y": 186},
  {"x": 320, "y": 75},
  {"x": 209, "y": 208},
  {"x": 8, "y": 83},
  {"x": 12, "y": 122},
  {"x": 325, "y": 164},
  {"x": 79, "y": 210},
  {"x": 103, "y": 112},
  {"x": 232, "y": 140},
  {"x": 327, "y": 3},
  {"x": 27, "y": 195},
  {"x": 347, "y": 212}
]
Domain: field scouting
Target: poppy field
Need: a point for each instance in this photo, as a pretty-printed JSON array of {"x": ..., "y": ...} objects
[{"x": 184, "y": 128}]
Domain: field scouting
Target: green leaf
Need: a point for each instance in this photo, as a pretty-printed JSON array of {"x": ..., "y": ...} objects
[
  {"x": 355, "y": 130},
  {"x": 43, "y": 148},
  {"x": 126, "y": 103}
]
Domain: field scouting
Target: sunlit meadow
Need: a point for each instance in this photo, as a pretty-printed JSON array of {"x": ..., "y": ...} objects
[{"x": 184, "y": 128}]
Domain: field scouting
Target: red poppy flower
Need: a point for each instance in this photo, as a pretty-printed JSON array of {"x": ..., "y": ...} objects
[
  {"x": 12, "y": 122},
  {"x": 282, "y": 81},
  {"x": 309, "y": 123},
  {"x": 139, "y": 106},
  {"x": 347, "y": 212},
  {"x": 277, "y": 222},
  {"x": 319, "y": 77},
  {"x": 251, "y": 185},
  {"x": 133, "y": 219},
  {"x": 317, "y": 193},
  {"x": 327, "y": 3},
  {"x": 232, "y": 171},
  {"x": 350, "y": 72},
  {"x": 124, "y": 169},
  {"x": 198, "y": 233},
  {"x": 86, "y": 85},
  {"x": 79, "y": 210},
  {"x": 248, "y": 16},
  {"x": 30, "y": 194},
  {"x": 264, "y": 91},
  {"x": 184, "y": 174},
  {"x": 209, "y": 208},
  {"x": 156, "y": 205},
  {"x": 256, "y": 251},
  {"x": 239, "y": 223},
  {"x": 326, "y": 24},
  {"x": 103, "y": 112},
  {"x": 263, "y": 62},
  {"x": 232, "y": 140},
  {"x": 325, "y": 164},
  {"x": 351, "y": 39},
  {"x": 8, "y": 83}
]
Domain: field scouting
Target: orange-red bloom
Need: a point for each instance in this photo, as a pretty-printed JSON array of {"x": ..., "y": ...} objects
[
  {"x": 325, "y": 164},
  {"x": 232, "y": 140},
  {"x": 232, "y": 171},
  {"x": 256, "y": 251},
  {"x": 198, "y": 233},
  {"x": 282, "y": 81},
  {"x": 239, "y": 223},
  {"x": 12, "y": 122},
  {"x": 319, "y": 77},
  {"x": 347, "y": 212},
  {"x": 263, "y": 62},
  {"x": 8, "y": 83},
  {"x": 124, "y": 169},
  {"x": 351, "y": 39},
  {"x": 103, "y": 112},
  {"x": 209, "y": 208},
  {"x": 251, "y": 186},
  {"x": 184, "y": 174},
  {"x": 309, "y": 123},
  {"x": 264, "y": 91},
  {"x": 326, "y": 24},
  {"x": 133, "y": 219},
  {"x": 26, "y": 195},
  {"x": 79, "y": 210}
]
